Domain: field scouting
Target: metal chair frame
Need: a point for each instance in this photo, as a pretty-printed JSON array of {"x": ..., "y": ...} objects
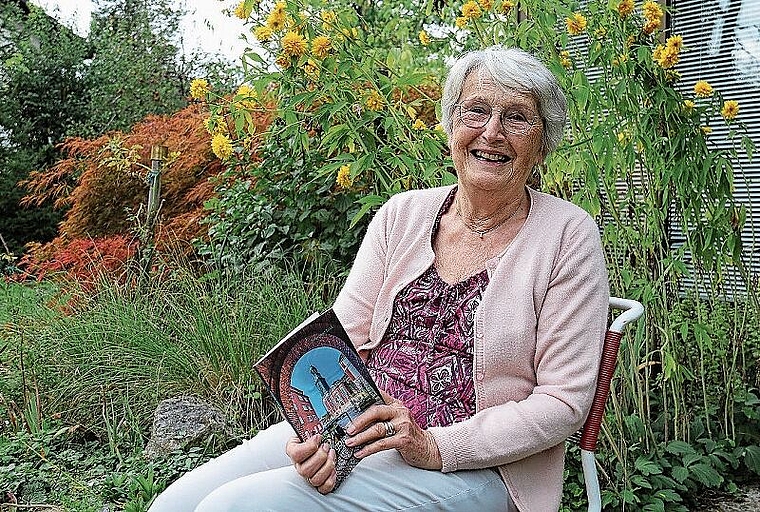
[{"x": 632, "y": 311}]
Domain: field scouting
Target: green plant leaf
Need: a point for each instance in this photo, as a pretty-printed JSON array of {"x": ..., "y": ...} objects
[
  {"x": 752, "y": 458},
  {"x": 706, "y": 474},
  {"x": 656, "y": 505},
  {"x": 647, "y": 467},
  {"x": 679, "y": 447},
  {"x": 680, "y": 474},
  {"x": 668, "y": 495}
]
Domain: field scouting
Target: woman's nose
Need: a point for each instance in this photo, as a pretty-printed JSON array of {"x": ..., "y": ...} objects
[{"x": 493, "y": 128}]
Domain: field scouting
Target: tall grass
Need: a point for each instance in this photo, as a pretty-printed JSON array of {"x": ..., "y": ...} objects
[{"x": 122, "y": 350}]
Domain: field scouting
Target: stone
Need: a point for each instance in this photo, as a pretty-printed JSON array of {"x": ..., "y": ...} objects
[{"x": 183, "y": 422}]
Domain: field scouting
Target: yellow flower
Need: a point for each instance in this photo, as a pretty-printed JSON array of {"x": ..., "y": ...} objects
[
  {"x": 576, "y": 24},
  {"x": 419, "y": 124},
  {"x": 702, "y": 89},
  {"x": 674, "y": 43},
  {"x": 328, "y": 17},
  {"x": 241, "y": 12},
  {"x": 283, "y": 61},
  {"x": 263, "y": 33},
  {"x": 706, "y": 130},
  {"x": 600, "y": 33},
  {"x": 650, "y": 27},
  {"x": 652, "y": 11},
  {"x": 374, "y": 101},
  {"x": 506, "y": 5},
  {"x": 564, "y": 59},
  {"x": 730, "y": 109},
  {"x": 221, "y": 146},
  {"x": 461, "y": 22},
  {"x": 625, "y": 7},
  {"x": 311, "y": 69},
  {"x": 688, "y": 106},
  {"x": 247, "y": 96},
  {"x": 320, "y": 46},
  {"x": 471, "y": 10},
  {"x": 424, "y": 38},
  {"x": 344, "y": 176},
  {"x": 246, "y": 91},
  {"x": 486, "y": 4},
  {"x": 199, "y": 88},
  {"x": 293, "y": 44},
  {"x": 653, "y": 15},
  {"x": 666, "y": 56},
  {"x": 277, "y": 18}
]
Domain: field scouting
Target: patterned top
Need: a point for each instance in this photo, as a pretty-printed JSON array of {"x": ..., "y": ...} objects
[{"x": 425, "y": 358}]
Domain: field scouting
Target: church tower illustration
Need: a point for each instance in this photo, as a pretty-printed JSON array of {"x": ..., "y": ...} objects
[{"x": 319, "y": 381}]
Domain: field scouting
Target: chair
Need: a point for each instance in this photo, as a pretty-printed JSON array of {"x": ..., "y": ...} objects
[{"x": 632, "y": 311}]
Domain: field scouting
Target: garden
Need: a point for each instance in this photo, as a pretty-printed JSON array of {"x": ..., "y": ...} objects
[{"x": 267, "y": 182}]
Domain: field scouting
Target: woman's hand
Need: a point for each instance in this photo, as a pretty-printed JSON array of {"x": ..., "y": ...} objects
[
  {"x": 313, "y": 460},
  {"x": 383, "y": 427}
]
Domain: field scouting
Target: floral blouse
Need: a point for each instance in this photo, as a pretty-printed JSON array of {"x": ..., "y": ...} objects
[{"x": 425, "y": 358}]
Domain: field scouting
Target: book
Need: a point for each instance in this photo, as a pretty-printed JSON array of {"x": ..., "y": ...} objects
[{"x": 320, "y": 384}]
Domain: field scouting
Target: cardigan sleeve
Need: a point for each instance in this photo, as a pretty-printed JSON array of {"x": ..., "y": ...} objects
[
  {"x": 569, "y": 331},
  {"x": 357, "y": 300}
]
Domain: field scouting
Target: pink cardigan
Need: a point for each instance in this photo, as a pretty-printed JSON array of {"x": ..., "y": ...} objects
[{"x": 538, "y": 334}]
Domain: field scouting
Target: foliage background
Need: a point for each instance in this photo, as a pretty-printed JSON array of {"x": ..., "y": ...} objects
[{"x": 56, "y": 84}]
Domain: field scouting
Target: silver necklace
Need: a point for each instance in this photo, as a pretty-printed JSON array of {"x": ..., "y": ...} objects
[{"x": 480, "y": 232}]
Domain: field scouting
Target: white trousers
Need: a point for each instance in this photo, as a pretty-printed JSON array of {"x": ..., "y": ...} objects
[{"x": 258, "y": 475}]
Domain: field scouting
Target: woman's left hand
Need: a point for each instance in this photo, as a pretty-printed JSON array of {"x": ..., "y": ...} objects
[{"x": 384, "y": 427}]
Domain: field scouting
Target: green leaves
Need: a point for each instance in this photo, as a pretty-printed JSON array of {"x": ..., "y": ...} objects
[{"x": 751, "y": 458}]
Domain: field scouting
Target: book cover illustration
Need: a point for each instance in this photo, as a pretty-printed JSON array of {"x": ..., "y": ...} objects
[{"x": 320, "y": 383}]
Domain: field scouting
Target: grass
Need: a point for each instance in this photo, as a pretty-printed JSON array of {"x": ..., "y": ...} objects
[{"x": 80, "y": 383}]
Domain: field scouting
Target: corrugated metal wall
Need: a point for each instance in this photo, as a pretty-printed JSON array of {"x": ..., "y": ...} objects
[{"x": 722, "y": 43}]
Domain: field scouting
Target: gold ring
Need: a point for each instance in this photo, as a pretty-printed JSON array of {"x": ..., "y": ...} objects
[{"x": 390, "y": 430}]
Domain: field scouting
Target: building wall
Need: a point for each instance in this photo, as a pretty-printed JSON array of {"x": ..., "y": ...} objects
[{"x": 722, "y": 46}]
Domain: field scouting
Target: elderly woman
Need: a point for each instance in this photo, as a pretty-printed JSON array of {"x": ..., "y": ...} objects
[{"x": 480, "y": 309}]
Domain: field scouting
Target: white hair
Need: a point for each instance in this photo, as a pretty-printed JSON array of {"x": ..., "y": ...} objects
[{"x": 512, "y": 68}]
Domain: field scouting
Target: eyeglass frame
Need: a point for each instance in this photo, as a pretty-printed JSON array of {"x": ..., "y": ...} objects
[{"x": 531, "y": 124}]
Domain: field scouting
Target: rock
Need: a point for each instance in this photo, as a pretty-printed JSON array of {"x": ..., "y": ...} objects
[{"x": 183, "y": 422}]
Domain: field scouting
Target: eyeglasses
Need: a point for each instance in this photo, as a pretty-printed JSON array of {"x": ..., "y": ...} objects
[{"x": 477, "y": 115}]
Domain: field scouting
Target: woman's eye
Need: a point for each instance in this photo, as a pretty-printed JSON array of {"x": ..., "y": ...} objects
[
  {"x": 515, "y": 117},
  {"x": 478, "y": 109}
]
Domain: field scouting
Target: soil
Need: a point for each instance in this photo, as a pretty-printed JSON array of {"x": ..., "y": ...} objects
[{"x": 746, "y": 499}]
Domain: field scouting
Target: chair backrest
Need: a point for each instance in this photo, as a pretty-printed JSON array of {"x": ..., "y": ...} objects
[{"x": 632, "y": 311}]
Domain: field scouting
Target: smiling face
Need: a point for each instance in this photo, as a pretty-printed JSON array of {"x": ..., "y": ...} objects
[{"x": 491, "y": 157}]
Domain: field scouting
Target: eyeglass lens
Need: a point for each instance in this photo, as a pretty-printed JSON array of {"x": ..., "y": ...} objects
[{"x": 477, "y": 116}]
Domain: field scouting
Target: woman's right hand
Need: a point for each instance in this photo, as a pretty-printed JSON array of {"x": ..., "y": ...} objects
[{"x": 313, "y": 460}]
